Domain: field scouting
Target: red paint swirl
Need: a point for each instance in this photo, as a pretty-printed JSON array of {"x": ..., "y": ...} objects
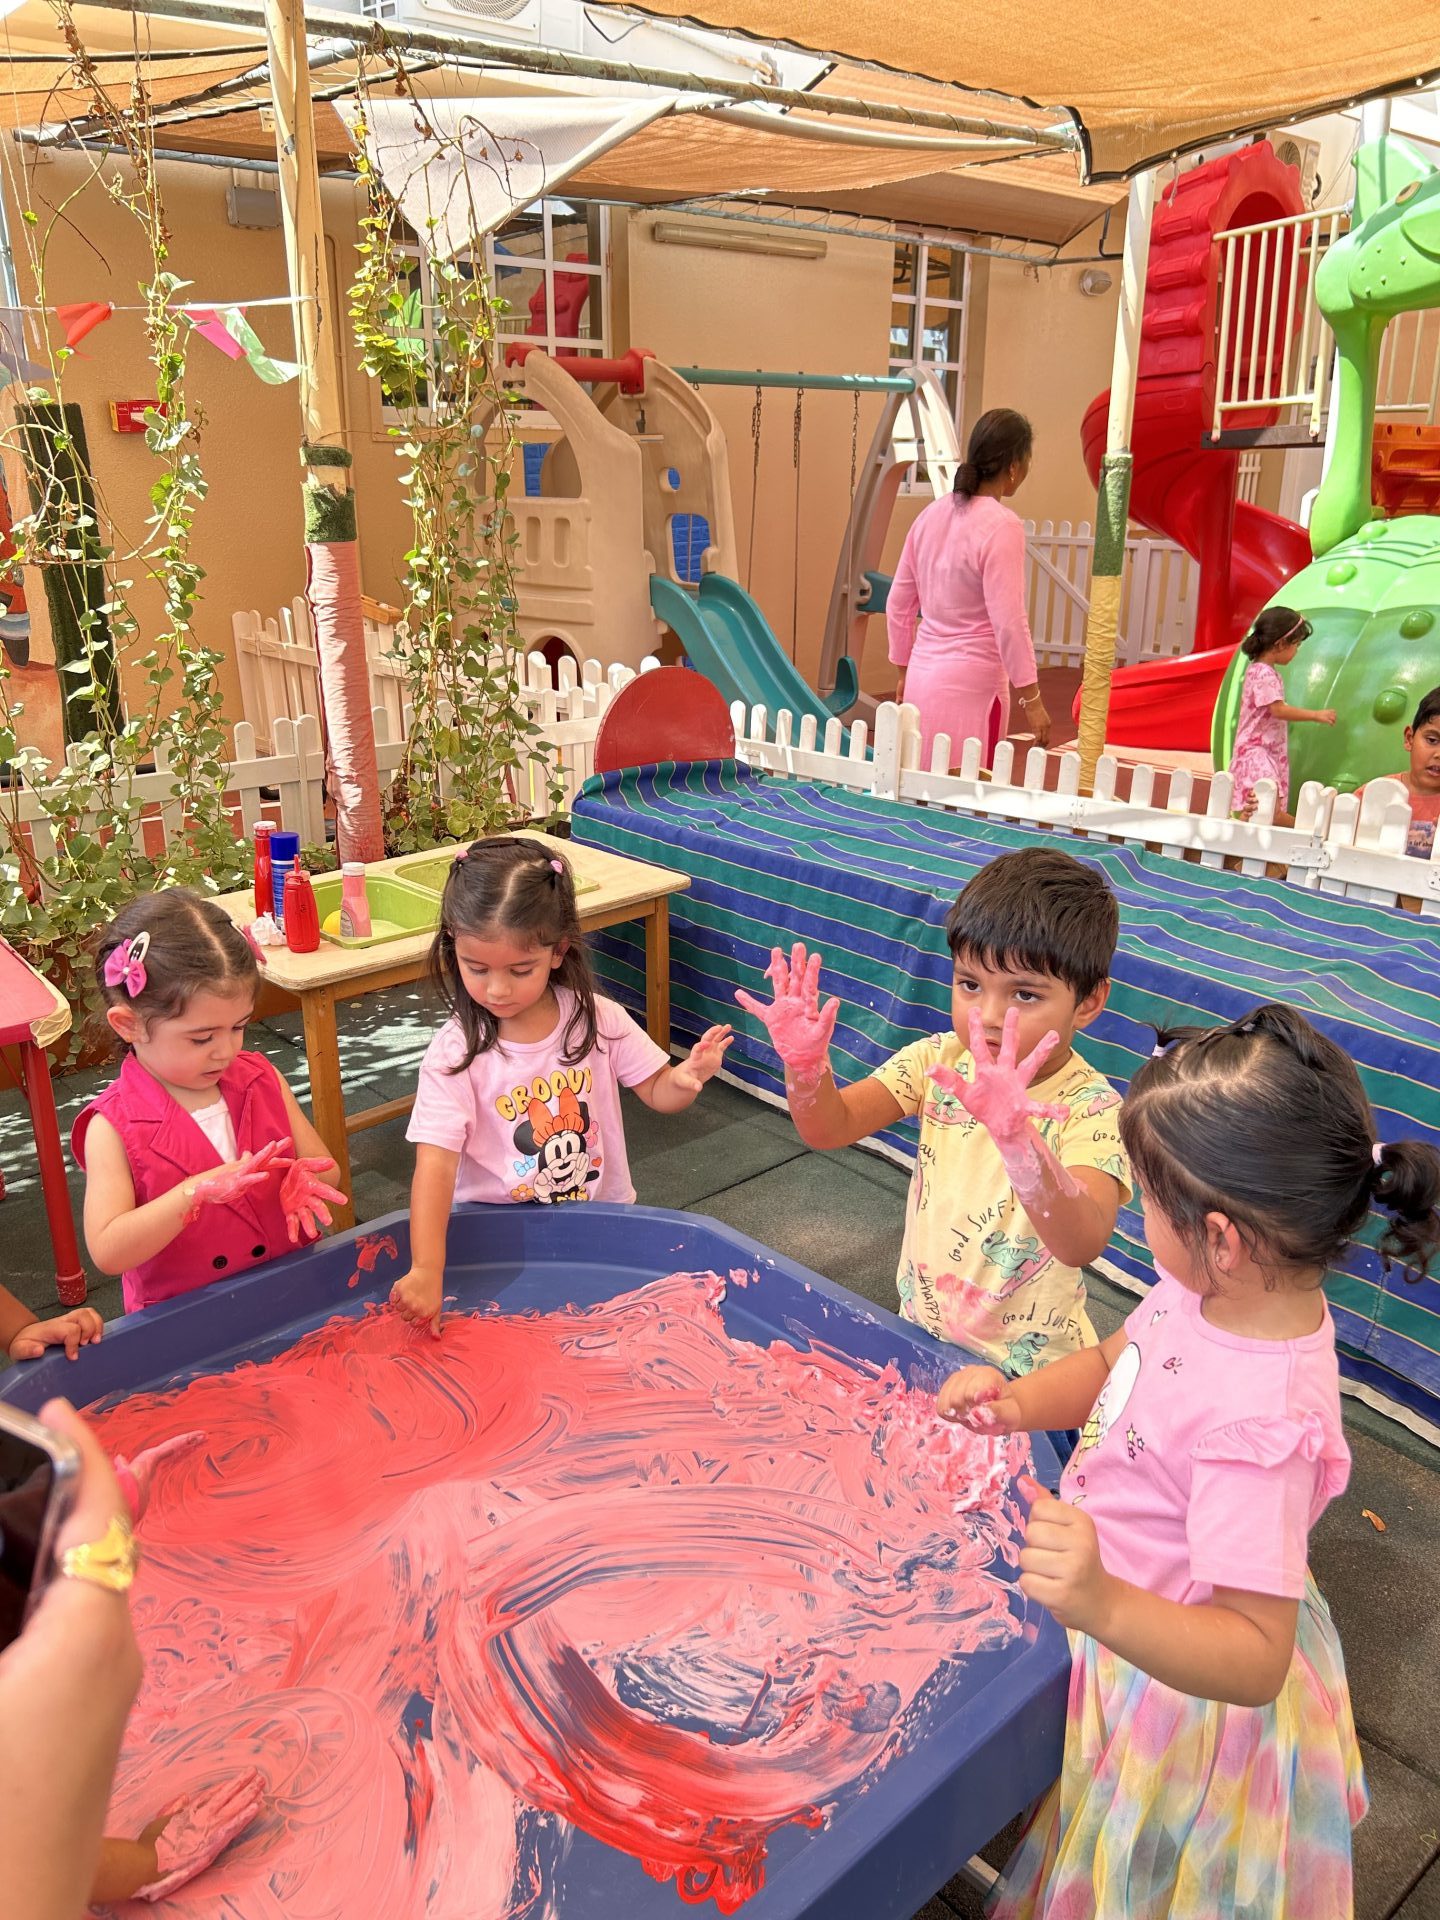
[{"x": 604, "y": 1568}]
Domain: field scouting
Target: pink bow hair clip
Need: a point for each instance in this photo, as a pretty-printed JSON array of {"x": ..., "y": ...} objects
[{"x": 125, "y": 965}]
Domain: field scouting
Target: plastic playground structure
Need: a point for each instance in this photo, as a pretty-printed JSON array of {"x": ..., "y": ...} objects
[
  {"x": 626, "y": 527},
  {"x": 1369, "y": 585}
]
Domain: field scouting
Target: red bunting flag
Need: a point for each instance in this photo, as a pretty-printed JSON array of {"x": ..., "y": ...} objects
[{"x": 80, "y": 316}]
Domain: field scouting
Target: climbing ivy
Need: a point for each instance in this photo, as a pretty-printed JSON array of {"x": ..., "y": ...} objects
[
  {"x": 76, "y": 843},
  {"x": 472, "y": 736}
]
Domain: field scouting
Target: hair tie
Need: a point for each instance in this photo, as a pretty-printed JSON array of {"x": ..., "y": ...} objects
[
  {"x": 557, "y": 866},
  {"x": 1377, "y": 1153},
  {"x": 255, "y": 947},
  {"x": 125, "y": 965}
]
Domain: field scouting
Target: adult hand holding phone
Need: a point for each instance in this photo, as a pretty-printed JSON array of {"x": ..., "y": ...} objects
[{"x": 66, "y": 1687}]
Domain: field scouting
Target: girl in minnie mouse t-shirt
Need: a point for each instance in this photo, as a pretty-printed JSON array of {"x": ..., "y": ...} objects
[{"x": 519, "y": 1092}]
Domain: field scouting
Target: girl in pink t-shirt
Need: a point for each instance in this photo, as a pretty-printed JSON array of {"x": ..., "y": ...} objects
[
  {"x": 519, "y": 1093},
  {"x": 1262, "y": 732},
  {"x": 1211, "y": 1765}
]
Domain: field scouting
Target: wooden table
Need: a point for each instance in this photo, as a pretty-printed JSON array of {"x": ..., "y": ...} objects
[
  {"x": 318, "y": 982},
  {"x": 33, "y": 1016}
]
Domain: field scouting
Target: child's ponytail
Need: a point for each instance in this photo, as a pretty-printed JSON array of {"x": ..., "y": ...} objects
[
  {"x": 1407, "y": 1187},
  {"x": 1265, "y": 1120}
]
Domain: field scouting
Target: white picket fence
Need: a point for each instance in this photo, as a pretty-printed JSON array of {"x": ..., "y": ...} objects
[
  {"x": 1340, "y": 844},
  {"x": 292, "y": 770},
  {"x": 280, "y": 670},
  {"x": 1157, "y": 607}
]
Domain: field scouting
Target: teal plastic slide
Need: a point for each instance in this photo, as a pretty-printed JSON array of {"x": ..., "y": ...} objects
[{"x": 728, "y": 639}]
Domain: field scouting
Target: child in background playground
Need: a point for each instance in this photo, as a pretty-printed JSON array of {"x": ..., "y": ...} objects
[
  {"x": 198, "y": 1161},
  {"x": 1211, "y": 1765},
  {"x": 962, "y": 576},
  {"x": 1011, "y": 1195},
  {"x": 1421, "y": 779},
  {"x": 519, "y": 1094},
  {"x": 1262, "y": 750}
]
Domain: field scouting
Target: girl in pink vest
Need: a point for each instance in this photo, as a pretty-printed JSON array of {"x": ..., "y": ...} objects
[{"x": 198, "y": 1161}]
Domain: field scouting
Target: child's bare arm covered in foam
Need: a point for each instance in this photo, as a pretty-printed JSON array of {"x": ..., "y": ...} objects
[
  {"x": 418, "y": 1293},
  {"x": 825, "y": 1115},
  {"x": 1074, "y": 1209}
]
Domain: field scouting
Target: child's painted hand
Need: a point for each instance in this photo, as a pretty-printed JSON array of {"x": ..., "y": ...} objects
[
  {"x": 71, "y": 1330},
  {"x": 227, "y": 1183},
  {"x": 137, "y": 1476},
  {"x": 1060, "y": 1564},
  {"x": 707, "y": 1057},
  {"x": 981, "y": 1400},
  {"x": 799, "y": 1027},
  {"x": 197, "y": 1828},
  {"x": 417, "y": 1296},
  {"x": 999, "y": 1095},
  {"x": 303, "y": 1196}
]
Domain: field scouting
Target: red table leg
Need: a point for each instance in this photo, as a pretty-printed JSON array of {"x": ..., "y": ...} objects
[{"x": 69, "y": 1274}]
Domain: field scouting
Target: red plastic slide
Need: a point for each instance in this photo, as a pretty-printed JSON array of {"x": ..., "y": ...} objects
[{"x": 1179, "y": 488}]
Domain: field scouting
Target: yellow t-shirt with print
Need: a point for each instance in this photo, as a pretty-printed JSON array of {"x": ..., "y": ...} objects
[{"x": 973, "y": 1268}]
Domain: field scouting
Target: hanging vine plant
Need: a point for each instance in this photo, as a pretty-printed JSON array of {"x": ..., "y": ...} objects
[
  {"x": 73, "y": 832},
  {"x": 427, "y": 327}
]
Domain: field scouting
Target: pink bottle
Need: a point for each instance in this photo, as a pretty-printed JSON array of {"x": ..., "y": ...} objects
[{"x": 354, "y": 902}]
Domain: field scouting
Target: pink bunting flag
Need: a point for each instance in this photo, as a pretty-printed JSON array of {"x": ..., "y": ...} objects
[{"x": 208, "y": 323}]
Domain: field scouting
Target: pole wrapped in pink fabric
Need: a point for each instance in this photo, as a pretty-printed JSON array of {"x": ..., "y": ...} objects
[{"x": 333, "y": 590}]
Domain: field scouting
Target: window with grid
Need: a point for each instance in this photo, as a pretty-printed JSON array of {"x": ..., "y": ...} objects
[
  {"x": 547, "y": 266},
  {"x": 927, "y": 321}
]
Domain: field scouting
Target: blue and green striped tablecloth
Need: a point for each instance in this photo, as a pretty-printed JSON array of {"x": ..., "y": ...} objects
[{"x": 868, "y": 882}]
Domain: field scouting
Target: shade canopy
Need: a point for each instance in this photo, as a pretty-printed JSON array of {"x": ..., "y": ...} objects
[
  {"x": 215, "y": 102},
  {"x": 1142, "y": 79}
]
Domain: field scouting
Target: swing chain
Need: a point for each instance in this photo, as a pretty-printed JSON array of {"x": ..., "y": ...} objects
[
  {"x": 756, "y": 420},
  {"x": 795, "y": 563}
]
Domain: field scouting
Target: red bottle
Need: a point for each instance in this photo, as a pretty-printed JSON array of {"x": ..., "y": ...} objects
[
  {"x": 264, "y": 872},
  {"x": 302, "y": 916}
]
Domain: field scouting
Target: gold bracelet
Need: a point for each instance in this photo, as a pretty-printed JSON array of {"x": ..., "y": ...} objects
[{"x": 109, "y": 1562}]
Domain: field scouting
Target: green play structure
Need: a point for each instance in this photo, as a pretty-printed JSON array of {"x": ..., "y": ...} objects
[{"x": 1372, "y": 592}]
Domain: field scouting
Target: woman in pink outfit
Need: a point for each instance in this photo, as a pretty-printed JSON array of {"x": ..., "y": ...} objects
[{"x": 962, "y": 575}]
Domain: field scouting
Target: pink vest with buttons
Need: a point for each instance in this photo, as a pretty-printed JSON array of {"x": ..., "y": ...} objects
[{"x": 164, "y": 1146}]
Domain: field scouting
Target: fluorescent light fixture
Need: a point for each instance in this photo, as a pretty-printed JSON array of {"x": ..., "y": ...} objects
[{"x": 794, "y": 246}]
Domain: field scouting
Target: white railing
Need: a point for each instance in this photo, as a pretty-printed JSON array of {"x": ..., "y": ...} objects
[
  {"x": 1340, "y": 844},
  {"x": 1274, "y": 349},
  {"x": 1157, "y": 608},
  {"x": 1408, "y": 382}
]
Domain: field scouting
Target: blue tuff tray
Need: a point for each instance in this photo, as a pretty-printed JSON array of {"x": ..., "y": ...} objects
[{"x": 993, "y": 1740}]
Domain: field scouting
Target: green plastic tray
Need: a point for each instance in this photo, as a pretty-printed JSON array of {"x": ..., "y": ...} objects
[
  {"x": 430, "y": 870},
  {"x": 398, "y": 910}
]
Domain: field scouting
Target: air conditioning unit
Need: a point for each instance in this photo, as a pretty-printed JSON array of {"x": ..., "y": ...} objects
[
  {"x": 1304, "y": 154},
  {"x": 535, "y": 23}
]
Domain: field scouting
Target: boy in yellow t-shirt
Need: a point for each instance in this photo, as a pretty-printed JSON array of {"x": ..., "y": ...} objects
[{"x": 1020, "y": 1173}]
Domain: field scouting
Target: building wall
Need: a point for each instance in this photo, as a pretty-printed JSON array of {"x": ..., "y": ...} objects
[
  {"x": 692, "y": 305},
  {"x": 248, "y": 532},
  {"x": 1034, "y": 342}
]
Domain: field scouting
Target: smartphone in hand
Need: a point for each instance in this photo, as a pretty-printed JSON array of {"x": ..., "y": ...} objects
[{"x": 39, "y": 1472}]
